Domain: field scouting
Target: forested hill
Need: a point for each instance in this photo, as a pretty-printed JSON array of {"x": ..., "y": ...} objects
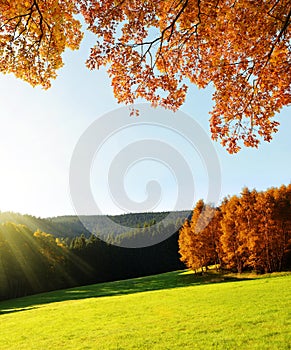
[
  {"x": 102, "y": 225},
  {"x": 38, "y": 255},
  {"x": 61, "y": 228}
]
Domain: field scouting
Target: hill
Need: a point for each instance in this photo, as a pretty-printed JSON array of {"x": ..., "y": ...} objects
[
  {"x": 33, "y": 261},
  {"x": 170, "y": 311},
  {"x": 102, "y": 225}
]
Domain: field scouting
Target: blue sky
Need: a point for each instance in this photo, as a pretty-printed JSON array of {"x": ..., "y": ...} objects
[{"x": 40, "y": 129}]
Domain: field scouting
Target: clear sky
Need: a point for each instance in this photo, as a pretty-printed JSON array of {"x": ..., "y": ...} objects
[{"x": 40, "y": 129}]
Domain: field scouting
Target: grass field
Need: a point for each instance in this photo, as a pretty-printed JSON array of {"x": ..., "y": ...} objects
[{"x": 176, "y": 310}]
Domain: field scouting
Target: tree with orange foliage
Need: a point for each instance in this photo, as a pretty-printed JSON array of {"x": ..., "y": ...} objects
[
  {"x": 187, "y": 242},
  {"x": 262, "y": 240},
  {"x": 256, "y": 229},
  {"x": 155, "y": 49},
  {"x": 233, "y": 243},
  {"x": 33, "y": 36},
  {"x": 199, "y": 238},
  {"x": 278, "y": 212},
  {"x": 249, "y": 232}
]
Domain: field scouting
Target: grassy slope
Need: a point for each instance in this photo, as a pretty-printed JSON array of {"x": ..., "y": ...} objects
[{"x": 171, "y": 311}]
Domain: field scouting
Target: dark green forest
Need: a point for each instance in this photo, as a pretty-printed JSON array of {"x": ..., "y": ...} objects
[{"x": 38, "y": 255}]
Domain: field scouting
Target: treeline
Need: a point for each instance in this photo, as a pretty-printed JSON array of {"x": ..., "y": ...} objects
[
  {"x": 247, "y": 232},
  {"x": 33, "y": 262},
  {"x": 101, "y": 225}
]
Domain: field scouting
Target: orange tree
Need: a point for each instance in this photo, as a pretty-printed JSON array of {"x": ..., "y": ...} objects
[
  {"x": 199, "y": 238},
  {"x": 33, "y": 36},
  {"x": 155, "y": 49}
]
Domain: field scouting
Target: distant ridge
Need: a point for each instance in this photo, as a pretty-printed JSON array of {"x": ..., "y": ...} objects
[{"x": 70, "y": 225}]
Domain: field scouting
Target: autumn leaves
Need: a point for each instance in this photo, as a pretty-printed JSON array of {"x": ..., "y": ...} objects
[
  {"x": 241, "y": 48},
  {"x": 154, "y": 49},
  {"x": 249, "y": 232},
  {"x": 33, "y": 37}
]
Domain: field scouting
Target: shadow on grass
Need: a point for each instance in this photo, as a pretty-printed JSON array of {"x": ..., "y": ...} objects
[
  {"x": 18, "y": 309},
  {"x": 168, "y": 280}
]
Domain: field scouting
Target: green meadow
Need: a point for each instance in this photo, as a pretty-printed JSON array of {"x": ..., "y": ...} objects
[{"x": 176, "y": 310}]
